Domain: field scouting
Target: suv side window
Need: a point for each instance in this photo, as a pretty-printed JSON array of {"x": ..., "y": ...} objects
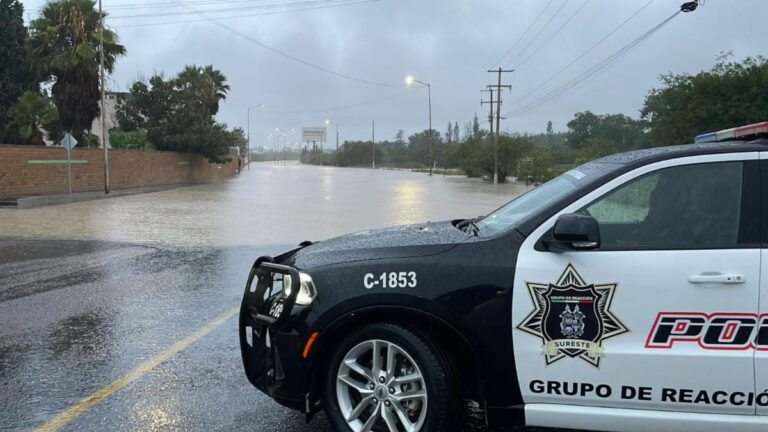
[{"x": 684, "y": 207}]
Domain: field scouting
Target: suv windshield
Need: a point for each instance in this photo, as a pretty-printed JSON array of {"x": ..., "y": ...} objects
[{"x": 537, "y": 199}]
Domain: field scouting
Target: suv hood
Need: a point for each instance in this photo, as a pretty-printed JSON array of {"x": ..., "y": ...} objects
[{"x": 404, "y": 241}]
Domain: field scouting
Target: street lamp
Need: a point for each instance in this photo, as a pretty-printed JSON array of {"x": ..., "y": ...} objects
[
  {"x": 249, "y": 132},
  {"x": 328, "y": 122},
  {"x": 285, "y": 138},
  {"x": 408, "y": 81}
]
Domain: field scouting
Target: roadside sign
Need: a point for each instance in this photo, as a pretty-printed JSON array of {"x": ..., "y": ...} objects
[
  {"x": 313, "y": 134},
  {"x": 69, "y": 142}
]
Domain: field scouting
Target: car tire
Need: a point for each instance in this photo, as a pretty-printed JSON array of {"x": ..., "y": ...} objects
[{"x": 358, "y": 391}]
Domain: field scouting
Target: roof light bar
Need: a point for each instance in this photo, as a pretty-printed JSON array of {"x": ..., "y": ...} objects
[{"x": 737, "y": 133}]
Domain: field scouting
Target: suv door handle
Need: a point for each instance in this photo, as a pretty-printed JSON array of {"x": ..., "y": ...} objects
[{"x": 730, "y": 278}]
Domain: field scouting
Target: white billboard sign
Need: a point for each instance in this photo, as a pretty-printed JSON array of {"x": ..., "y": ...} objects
[{"x": 310, "y": 134}]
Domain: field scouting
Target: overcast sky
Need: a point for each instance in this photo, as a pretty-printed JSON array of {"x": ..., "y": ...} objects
[{"x": 448, "y": 43}]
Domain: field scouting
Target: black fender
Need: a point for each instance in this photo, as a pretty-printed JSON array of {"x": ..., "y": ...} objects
[{"x": 422, "y": 316}]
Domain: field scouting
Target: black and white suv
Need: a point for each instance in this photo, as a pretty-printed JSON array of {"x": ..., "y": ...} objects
[{"x": 630, "y": 293}]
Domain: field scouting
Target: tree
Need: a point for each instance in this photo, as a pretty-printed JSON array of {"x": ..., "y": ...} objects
[
  {"x": 550, "y": 132},
  {"x": 204, "y": 86},
  {"x": 418, "y": 146},
  {"x": 475, "y": 127},
  {"x": 148, "y": 105},
  {"x": 14, "y": 74},
  {"x": 177, "y": 114},
  {"x": 625, "y": 132},
  {"x": 400, "y": 137},
  {"x": 237, "y": 139},
  {"x": 476, "y": 155},
  {"x": 64, "y": 47},
  {"x": 136, "y": 139},
  {"x": 449, "y": 133},
  {"x": 28, "y": 116},
  {"x": 456, "y": 133},
  {"x": 357, "y": 153},
  {"x": 728, "y": 95},
  {"x": 539, "y": 165}
]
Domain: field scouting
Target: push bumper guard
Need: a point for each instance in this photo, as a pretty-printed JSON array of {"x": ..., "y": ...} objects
[{"x": 263, "y": 313}]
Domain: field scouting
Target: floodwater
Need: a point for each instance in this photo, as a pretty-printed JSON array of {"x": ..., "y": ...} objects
[
  {"x": 92, "y": 292},
  {"x": 266, "y": 204}
]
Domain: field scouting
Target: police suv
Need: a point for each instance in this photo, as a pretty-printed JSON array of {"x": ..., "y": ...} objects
[{"x": 627, "y": 294}]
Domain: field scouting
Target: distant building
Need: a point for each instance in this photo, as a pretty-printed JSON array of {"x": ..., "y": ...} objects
[{"x": 111, "y": 101}]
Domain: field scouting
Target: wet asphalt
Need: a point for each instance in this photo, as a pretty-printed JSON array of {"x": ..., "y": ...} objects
[
  {"x": 81, "y": 308},
  {"x": 79, "y": 314}
]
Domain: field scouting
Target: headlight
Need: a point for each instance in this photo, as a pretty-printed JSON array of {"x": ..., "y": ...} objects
[{"x": 307, "y": 291}]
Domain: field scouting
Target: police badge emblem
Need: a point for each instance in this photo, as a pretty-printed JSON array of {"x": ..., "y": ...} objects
[{"x": 572, "y": 318}]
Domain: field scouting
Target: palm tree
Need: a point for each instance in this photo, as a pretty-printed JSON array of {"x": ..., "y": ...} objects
[
  {"x": 64, "y": 47},
  {"x": 28, "y": 116},
  {"x": 205, "y": 86}
]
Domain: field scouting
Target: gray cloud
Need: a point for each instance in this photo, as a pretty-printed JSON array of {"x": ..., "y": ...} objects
[{"x": 449, "y": 43}]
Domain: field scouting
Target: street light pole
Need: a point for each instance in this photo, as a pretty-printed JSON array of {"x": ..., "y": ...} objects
[
  {"x": 408, "y": 80},
  {"x": 285, "y": 138},
  {"x": 336, "y": 125},
  {"x": 103, "y": 103},
  {"x": 249, "y": 133}
]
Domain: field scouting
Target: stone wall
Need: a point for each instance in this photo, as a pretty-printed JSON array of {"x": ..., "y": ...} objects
[{"x": 38, "y": 170}]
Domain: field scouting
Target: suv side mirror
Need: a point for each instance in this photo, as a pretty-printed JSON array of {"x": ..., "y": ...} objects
[{"x": 574, "y": 232}]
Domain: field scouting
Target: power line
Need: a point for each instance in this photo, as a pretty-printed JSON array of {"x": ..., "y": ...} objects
[
  {"x": 593, "y": 71},
  {"x": 559, "y": 29},
  {"x": 128, "y": 6},
  {"x": 233, "y": 9},
  {"x": 246, "y": 15},
  {"x": 584, "y": 54},
  {"x": 533, "y": 39},
  {"x": 506, "y": 53},
  {"x": 282, "y": 53}
]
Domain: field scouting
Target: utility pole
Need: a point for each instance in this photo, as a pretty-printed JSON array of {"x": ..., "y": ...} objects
[
  {"x": 490, "y": 121},
  {"x": 103, "y": 104},
  {"x": 498, "y": 88},
  {"x": 490, "y": 102},
  {"x": 429, "y": 98},
  {"x": 373, "y": 144}
]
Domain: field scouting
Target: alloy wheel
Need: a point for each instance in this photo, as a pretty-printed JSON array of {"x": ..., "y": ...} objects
[{"x": 380, "y": 387}]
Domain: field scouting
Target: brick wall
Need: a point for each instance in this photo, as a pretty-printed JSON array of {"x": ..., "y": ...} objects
[{"x": 127, "y": 169}]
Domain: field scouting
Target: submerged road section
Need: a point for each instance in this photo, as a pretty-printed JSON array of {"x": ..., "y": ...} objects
[{"x": 121, "y": 314}]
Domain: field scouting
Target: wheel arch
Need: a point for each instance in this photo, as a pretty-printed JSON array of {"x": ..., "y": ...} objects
[{"x": 463, "y": 359}]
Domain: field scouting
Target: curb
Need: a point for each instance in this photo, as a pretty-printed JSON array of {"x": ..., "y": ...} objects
[{"x": 31, "y": 202}]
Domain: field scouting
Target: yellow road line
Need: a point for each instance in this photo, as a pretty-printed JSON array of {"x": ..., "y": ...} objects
[{"x": 78, "y": 408}]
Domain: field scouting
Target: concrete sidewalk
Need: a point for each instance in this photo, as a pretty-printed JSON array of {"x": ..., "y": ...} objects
[{"x": 48, "y": 200}]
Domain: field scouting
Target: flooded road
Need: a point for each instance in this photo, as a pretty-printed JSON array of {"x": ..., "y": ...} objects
[
  {"x": 268, "y": 204},
  {"x": 119, "y": 314}
]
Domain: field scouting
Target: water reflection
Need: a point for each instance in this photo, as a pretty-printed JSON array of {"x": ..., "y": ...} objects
[
  {"x": 156, "y": 415},
  {"x": 406, "y": 202}
]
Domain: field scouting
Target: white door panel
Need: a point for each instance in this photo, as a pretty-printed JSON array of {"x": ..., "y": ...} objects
[
  {"x": 674, "y": 370},
  {"x": 643, "y": 290}
]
